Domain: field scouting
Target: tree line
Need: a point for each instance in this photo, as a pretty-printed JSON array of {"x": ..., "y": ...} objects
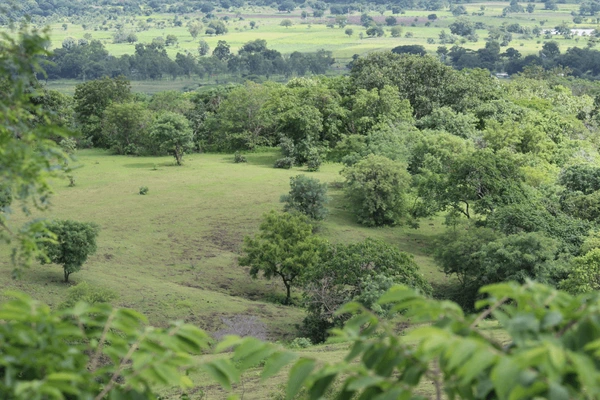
[{"x": 90, "y": 60}]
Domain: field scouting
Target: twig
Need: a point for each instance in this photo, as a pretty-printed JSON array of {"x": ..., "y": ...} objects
[{"x": 487, "y": 312}]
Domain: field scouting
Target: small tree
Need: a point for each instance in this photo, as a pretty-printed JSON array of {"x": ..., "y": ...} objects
[
  {"x": 172, "y": 134},
  {"x": 286, "y": 22},
  {"x": 375, "y": 187},
  {"x": 308, "y": 196},
  {"x": 391, "y": 21},
  {"x": 284, "y": 247},
  {"x": 396, "y": 31},
  {"x": 203, "y": 48},
  {"x": 74, "y": 242},
  {"x": 349, "y": 32}
]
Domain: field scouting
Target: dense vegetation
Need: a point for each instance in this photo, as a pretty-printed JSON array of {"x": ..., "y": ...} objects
[{"x": 511, "y": 167}]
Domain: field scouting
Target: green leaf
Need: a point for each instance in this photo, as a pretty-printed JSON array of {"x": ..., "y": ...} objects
[
  {"x": 557, "y": 392},
  {"x": 227, "y": 342},
  {"x": 298, "y": 375},
  {"x": 364, "y": 382},
  {"x": 223, "y": 372},
  {"x": 277, "y": 361}
]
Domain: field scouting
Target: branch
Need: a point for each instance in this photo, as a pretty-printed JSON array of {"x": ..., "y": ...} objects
[{"x": 487, "y": 312}]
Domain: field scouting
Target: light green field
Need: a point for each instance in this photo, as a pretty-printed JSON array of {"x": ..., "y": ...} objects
[
  {"x": 311, "y": 34},
  {"x": 172, "y": 254}
]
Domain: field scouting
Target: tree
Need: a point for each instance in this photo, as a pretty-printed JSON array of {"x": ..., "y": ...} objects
[
  {"x": 396, "y": 31},
  {"x": 29, "y": 155},
  {"x": 349, "y": 32},
  {"x": 203, "y": 48},
  {"x": 432, "y": 17},
  {"x": 222, "y": 51},
  {"x": 172, "y": 134},
  {"x": 70, "y": 244},
  {"x": 286, "y": 22},
  {"x": 91, "y": 99},
  {"x": 584, "y": 274},
  {"x": 218, "y": 26},
  {"x": 354, "y": 272},
  {"x": 194, "y": 28},
  {"x": 125, "y": 128},
  {"x": 307, "y": 196},
  {"x": 462, "y": 27},
  {"x": 375, "y": 31},
  {"x": 171, "y": 40},
  {"x": 551, "y": 49},
  {"x": 376, "y": 188},
  {"x": 391, "y": 21},
  {"x": 287, "y": 6},
  {"x": 285, "y": 247}
]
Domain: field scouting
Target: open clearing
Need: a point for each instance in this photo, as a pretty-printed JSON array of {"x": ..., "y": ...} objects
[{"x": 172, "y": 254}]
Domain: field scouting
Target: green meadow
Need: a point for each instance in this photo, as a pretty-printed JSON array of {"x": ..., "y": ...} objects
[
  {"x": 311, "y": 34},
  {"x": 172, "y": 254}
]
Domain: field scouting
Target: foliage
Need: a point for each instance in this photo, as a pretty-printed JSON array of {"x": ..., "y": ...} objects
[
  {"x": 69, "y": 244},
  {"x": 285, "y": 162},
  {"x": 239, "y": 158},
  {"x": 584, "y": 274},
  {"x": 125, "y": 128},
  {"x": 376, "y": 188},
  {"x": 307, "y": 196},
  {"x": 29, "y": 157},
  {"x": 550, "y": 352},
  {"x": 354, "y": 272},
  {"x": 285, "y": 247},
  {"x": 144, "y": 190},
  {"x": 172, "y": 134},
  {"x": 91, "y": 351},
  {"x": 84, "y": 292}
]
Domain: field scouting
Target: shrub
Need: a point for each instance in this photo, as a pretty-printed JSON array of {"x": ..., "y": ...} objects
[
  {"x": 88, "y": 294},
  {"x": 239, "y": 158},
  {"x": 308, "y": 196},
  {"x": 285, "y": 163},
  {"x": 144, "y": 190},
  {"x": 300, "y": 343}
]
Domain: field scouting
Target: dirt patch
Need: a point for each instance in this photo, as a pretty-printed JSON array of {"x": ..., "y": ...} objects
[{"x": 225, "y": 239}]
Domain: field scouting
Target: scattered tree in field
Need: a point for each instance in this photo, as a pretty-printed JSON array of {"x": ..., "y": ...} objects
[
  {"x": 376, "y": 188},
  {"x": 284, "y": 248},
  {"x": 396, "y": 31},
  {"x": 286, "y": 22},
  {"x": 391, "y": 21},
  {"x": 171, "y": 40},
  {"x": 73, "y": 242},
  {"x": 172, "y": 134},
  {"x": 349, "y": 32},
  {"x": 203, "y": 48},
  {"x": 194, "y": 28},
  {"x": 307, "y": 196}
]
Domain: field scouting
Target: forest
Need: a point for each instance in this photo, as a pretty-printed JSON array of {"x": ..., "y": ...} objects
[{"x": 412, "y": 226}]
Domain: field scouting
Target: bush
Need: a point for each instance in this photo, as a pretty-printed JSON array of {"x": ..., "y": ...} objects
[
  {"x": 313, "y": 161},
  {"x": 88, "y": 294},
  {"x": 239, "y": 158},
  {"x": 308, "y": 196},
  {"x": 300, "y": 343},
  {"x": 144, "y": 190},
  {"x": 285, "y": 163}
]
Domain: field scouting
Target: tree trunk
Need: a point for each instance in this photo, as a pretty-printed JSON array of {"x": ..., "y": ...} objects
[
  {"x": 66, "y": 275},
  {"x": 288, "y": 299}
]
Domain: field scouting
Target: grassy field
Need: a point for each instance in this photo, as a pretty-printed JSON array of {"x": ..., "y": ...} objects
[
  {"x": 172, "y": 254},
  {"x": 311, "y": 34}
]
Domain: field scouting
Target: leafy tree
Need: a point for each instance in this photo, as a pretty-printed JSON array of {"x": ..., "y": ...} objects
[
  {"x": 396, "y": 31},
  {"x": 584, "y": 274},
  {"x": 286, "y": 22},
  {"x": 172, "y": 134},
  {"x": 307, "y": 196},
  {"x": 462, "y": 27},
  {"x": 218, "y": 27},
  {"x": 410, "y": 49},
  {"x": 285, "y": 247},
  {"x": 171, "y": 40},
  {"x": 29, "y": 155},
  {"x": 349, "y": 32},
  {"x": 70, "y": 244},
  {"x": 352, "y": 272},
  {"x": 194, "y": 28},
  {"x": 376, "y": 188},
  {"x": 125, "y": 128},
  {"x": 203, "y": 48},
  {"x": 583, "y": 178},
  {"x": 92, "y": 98},
  {"x": 287, "y": 6},
  {"x": 375, "y": 31},
  {"x": 391, "y": 21},
  {"x": 222, "y": 51}
]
